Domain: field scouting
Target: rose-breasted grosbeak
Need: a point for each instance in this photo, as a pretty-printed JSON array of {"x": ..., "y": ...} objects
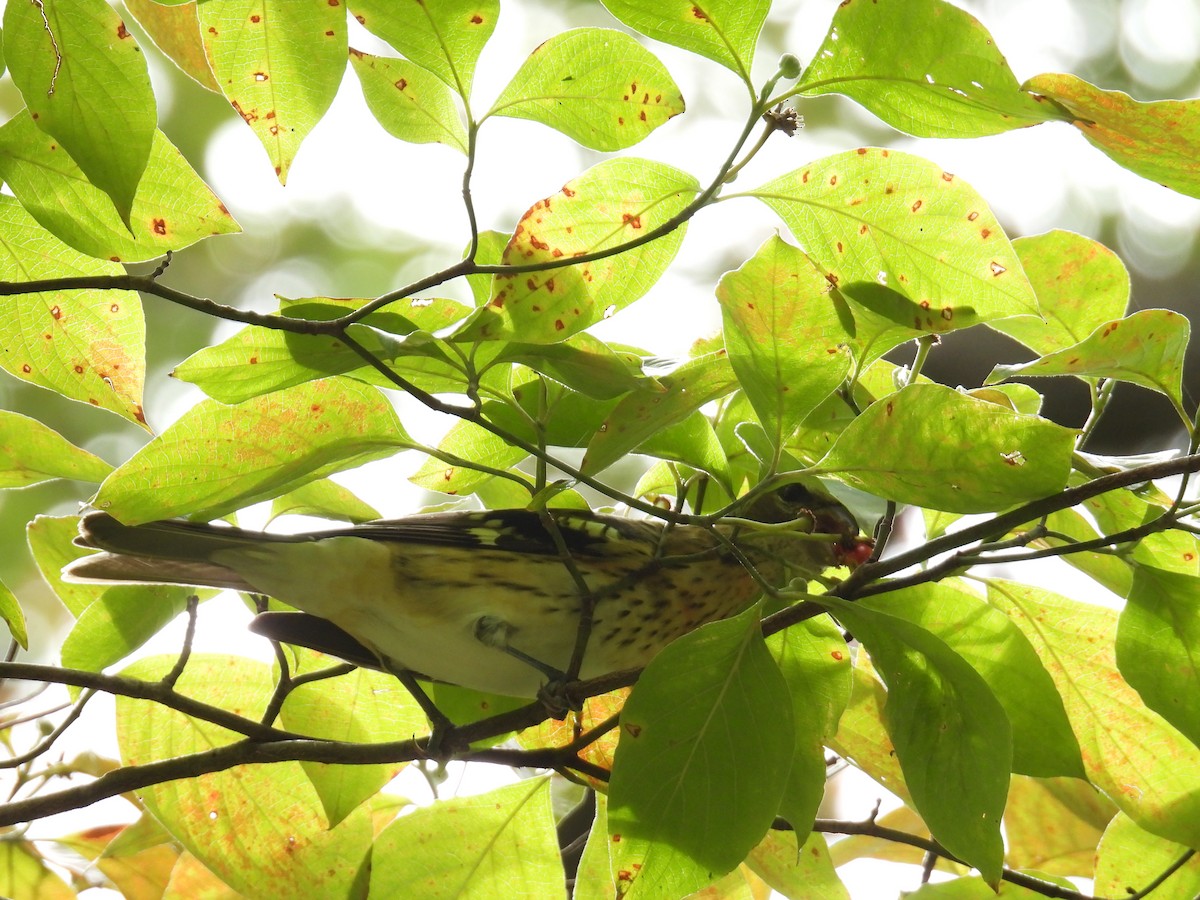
[{"x": 484, "y": 599}]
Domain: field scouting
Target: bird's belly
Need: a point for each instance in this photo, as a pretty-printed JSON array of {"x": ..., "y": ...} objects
[{"x": 448, "y": 613}]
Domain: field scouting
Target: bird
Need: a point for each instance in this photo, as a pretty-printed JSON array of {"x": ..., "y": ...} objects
[{"x": 487, "y": 599}]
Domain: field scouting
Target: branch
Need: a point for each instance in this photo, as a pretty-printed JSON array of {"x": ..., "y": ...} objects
[{"x": 144, "y": 690}]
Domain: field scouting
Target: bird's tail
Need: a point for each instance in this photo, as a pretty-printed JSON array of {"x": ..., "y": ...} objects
[{"x": 158, "y": 552}]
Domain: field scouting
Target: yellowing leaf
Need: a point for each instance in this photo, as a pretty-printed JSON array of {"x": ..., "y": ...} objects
[
  {"x": 87, "y": 345},
  {"x": 216, "y": 458},
  {"x": 613, "y": 203},
  {"x": 722, "y": 30},
  {"x": 898, "y": 235},
  {"x": 1156, "y": 140},
  {"x": 1080, "y": 285},
  {"x": 279, "y": 63},
  {"x": 409, "y": 102},
  {"x": 598, "y": 86},
  {"x": 935, "y": 447},
  {"x": 1146, "y": 767}
]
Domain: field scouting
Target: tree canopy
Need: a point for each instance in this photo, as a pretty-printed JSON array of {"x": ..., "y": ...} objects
[{"x": 1031, "y": 734}]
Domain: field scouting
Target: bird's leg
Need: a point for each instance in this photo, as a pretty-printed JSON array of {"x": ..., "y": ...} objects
[
  {"x": 439, "y": 725},
  {"x": 494, "y": 632}
]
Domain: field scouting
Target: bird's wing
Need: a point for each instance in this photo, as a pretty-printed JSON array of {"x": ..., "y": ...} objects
[{"x": 516, "y": 530}]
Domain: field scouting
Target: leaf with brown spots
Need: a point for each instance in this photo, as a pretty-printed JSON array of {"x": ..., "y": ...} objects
[
  {"x": 922, "y": 250},
  {"x": 1146, "y": 349},
  {"x": 1159, "y": 141},
  {"x": 279, "y": 64},
  {"x": 784, "y": 334},
  {"x": 1130, "y": 753},
  {"x": 89, "y": 346},
  {"x": 258, "y": 360},
  {"x": 725, "y": 31},
  {"x": 931, "y": 446},
  {"x": 360, "y": 707},
  {"x": 216, "y": 458},
  {"x": 409, "y": 102},
  {"x": 261, "y": 829},
  {"x": 173, "y": 207},
  {"x": 612, "y": 203},
  {"x": 925, "y": 67},
  {"x": 1080, "y": 285},
  {"x": 501, "y": 843},
  {"x": 445, "y": 37},
  {"x": 470, "y": 443},
  {"x": 84, "y": 79},
  {"x": 175, "y": 30},
  {"x": 600, "y": 87}
]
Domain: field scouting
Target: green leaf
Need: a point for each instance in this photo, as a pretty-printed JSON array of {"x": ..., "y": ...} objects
[
  {"x": 925, "y": 67},
  {"x": 710, "y": 703},
  {"x": 362, "y": 707},
  {"x": 1130, "y": 858},
  {"x": 123, "y": 618},
  {"x": 1080, "y": 285},
  {"x": 216, "y": 459},
  {"x": 951, "y": 734},
  {"x": 408, "y": 101},
  {"x": 31, "y": 453},
  {"x": 643, "y": 413},
  {"x": 258, "y": 360},
  {"x": 88, "y": 345},
  {"x": 798, "y": 871},
  {"x": 326, "y": 499},
  {"x": 473, "y": 847},
  {"x": 444, "y": 37},
  {"x": 600, "y": 87},
  {"x": 584, "y": 363},
  {"x": 172, "y": 209},
  {"x": 784, "y": 337},
  {"x": 615, "y": 202},
  {"x": 279, "y": 63},
  {"x": 13, "y": 616},
  {"x": 1054, "y": 824},
  {"x": 261, "y": 829},
  {"x": 1146, "y": 767},
  {"x": 175, "y": 30},
  {"x": 50, "y": 541},
  {"x": 489, "y": 252},
  {"x": 994, "y": 647},
  {"x": 1172, "y": 550},
  {"x": 1146, "y": 349},
  {"x": 903, "y": 238},
  {"x": 1156, "y": 140},
  {"x": 1158, "y": 645},
  {"x": 932, "y": 446},
  {"x": 721, "y": 30},
  {"x": 24, "y": 872},
  {"x": 815, "y": 663},
  {"x": 84, "y": 79},
  {"x": 470, "y": 443},
  {"x": 862, "y": 736}
]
